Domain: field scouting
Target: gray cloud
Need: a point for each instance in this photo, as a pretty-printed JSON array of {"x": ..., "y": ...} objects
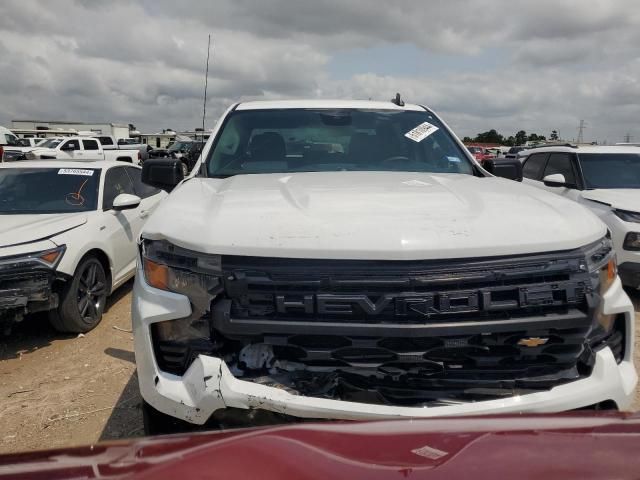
[{"x": 143, "y": 62}]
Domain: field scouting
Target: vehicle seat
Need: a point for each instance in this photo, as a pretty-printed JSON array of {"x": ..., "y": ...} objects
[
  {"x": 364, "y": 149},
  {"x": 268, "y": 153}
]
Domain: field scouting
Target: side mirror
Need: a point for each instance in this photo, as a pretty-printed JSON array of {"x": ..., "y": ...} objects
[
  {"x": 125, "y": 201},
  {"x": 555, "y": 180},
  {"x": 164, "y": 174},
  {"x": 510, "y": 168}
]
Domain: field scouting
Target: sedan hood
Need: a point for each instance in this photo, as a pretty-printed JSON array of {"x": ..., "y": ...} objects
[
  {"x": 22, "y": 229},
  {"x": 619, "y": 198},
  {"x": 568, "y": 446},
  {"x": 369, "y": 215}
]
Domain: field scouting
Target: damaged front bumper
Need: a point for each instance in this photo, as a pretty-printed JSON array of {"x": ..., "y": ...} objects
[
  {"x": 208, "y": 385},
  {"x": 25, "y": 292}
]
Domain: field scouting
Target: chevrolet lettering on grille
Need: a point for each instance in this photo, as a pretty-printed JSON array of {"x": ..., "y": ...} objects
[{"x": 426, "y": 304}]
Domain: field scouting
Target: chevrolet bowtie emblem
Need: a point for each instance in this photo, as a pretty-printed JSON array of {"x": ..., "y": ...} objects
[{"x": 532, "y": 341}]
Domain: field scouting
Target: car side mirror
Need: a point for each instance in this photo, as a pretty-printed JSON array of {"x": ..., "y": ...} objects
[
  {"x": 125, "y": 201},
  {"x": 555, "y": 180},
  {"x": 510, "y": 168},
  {"x": 164, "y": 174}
]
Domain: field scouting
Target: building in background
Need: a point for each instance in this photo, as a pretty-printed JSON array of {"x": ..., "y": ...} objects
[
  {"x": 50, "y": 128},
  {"x": 166, "y": 137}
]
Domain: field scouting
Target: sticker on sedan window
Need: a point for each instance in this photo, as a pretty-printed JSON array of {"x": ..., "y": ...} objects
[
  {"x": 75, "y": 171},
  {"x": 421, "y": 132}
]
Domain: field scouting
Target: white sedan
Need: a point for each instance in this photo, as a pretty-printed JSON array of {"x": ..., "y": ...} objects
[
  {"x": 604, "y": 179},
  {"x": 68, "y": 234}
]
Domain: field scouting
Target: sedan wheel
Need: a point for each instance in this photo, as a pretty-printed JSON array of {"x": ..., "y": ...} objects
[
  {"x": 82, "y": 299},
  {"x": 92, "y": 292}
]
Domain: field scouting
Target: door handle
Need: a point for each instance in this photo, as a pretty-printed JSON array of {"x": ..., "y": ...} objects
[{"x": 144, "y": 213}]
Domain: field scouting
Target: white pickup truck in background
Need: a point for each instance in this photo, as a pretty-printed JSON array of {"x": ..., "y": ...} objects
[
  {"x": 82, "y": 148},
  {"x": 109, "y": 142}
]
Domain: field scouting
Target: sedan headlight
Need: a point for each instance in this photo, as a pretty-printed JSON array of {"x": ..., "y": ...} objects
[
  {"x": 36, "y": 260},
  {"x": 193, "y": 274},
  {"x": 627, "y": 216}
]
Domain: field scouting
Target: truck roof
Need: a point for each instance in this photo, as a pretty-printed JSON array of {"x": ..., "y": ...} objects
[
  {"x": 64, "y": 164},
  {"x": 315, "y": 103}
]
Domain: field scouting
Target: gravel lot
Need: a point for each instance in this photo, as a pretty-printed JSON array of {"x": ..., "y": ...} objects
[{"x": 66, "y": 390}]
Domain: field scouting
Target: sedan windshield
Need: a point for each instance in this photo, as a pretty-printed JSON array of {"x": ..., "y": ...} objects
[
  {"x": 611, "y": 170},
  {"x": 319, "y": 140},
  {"x": 48, "y": 190}
]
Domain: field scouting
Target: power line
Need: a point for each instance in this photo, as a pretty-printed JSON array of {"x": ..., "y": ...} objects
[{"x": 206, "y": 84}]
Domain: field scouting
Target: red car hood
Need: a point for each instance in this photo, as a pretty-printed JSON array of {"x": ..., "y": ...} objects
[{"x": 594, "y": 446}]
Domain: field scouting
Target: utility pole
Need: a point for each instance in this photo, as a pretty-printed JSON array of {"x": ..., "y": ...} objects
[
  {"x": 581, "y": 128},
  {"x": 628, "y": 137}
]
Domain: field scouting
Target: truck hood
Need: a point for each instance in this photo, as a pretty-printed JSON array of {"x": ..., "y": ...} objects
[
  {"x": 619, "y": 198},
  {"x": 23, "y": 229},
  {"x": 369, "y": 215},
  {"x": 37, "y": 152}
]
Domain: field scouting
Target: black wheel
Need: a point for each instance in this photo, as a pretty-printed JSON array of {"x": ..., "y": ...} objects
[
  {"x": 158, "y": 423},
  {"x": 82, "y": 300},
  {"x": 185, "y": 169}
]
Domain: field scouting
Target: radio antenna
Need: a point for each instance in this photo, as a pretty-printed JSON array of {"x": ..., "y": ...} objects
[{"x": 206, "y": 83}]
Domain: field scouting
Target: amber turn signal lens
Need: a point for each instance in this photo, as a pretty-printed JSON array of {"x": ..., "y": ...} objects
[
  {"x": 51, "y": 257},
  {"x": 157, "y": 275},
  {"x": 612, "y": 270}
]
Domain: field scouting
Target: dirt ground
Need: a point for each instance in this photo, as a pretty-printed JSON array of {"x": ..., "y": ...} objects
[{"x": 61, "y": 390}]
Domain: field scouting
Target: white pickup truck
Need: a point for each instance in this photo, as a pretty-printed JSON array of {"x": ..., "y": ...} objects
[
  {"x": 351, "y": 260},
  {"x": 82, "y": 148}
]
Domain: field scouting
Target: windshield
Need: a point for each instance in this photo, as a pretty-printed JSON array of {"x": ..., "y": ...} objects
[
  {"x": 50, "y": 143},
  {"x": 11, "y": 140},
  {"x": 48, "y": 190},
  {"x": 180, "y": 147},
  {"x": 316, "y": 140},
  {"x": 611, "y": 170}
]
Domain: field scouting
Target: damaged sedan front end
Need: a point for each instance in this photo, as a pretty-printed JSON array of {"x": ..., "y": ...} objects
[
  {"x": 369, "y": 339},
  {"x": 27, "y": 284}
]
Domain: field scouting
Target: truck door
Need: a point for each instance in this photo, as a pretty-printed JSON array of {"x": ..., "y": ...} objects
[
  {"x": 70, "y": 150},
  {"x": 92, "y": 150}
]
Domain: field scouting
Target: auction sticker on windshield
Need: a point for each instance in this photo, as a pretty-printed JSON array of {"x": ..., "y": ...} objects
[
  {"x": 75, "y": 171},
  {"x": 421, "y": 132}
]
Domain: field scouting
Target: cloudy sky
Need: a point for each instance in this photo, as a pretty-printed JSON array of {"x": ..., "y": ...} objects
[{"x": 503, "y": 64}]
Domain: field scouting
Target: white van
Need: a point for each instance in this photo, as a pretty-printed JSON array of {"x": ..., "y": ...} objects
[{"x": 7, "y": 137}]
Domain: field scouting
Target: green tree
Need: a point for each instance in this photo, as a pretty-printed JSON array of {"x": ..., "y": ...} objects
[
  {"x": 511, "y": 141},
  {"x": 521, "y": 137},
  {"x": 467, "y": 140},
  {"x": 491, "y": 136},
  {"x": 554, "y": 135}
]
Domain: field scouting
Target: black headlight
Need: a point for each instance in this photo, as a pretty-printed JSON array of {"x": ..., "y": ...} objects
[
  {"x": 602, "y": 266},
  {"x": 172, "y": 268},
  {"x": 633, "y": 217},
  {"x": 195, "y": 275}
]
